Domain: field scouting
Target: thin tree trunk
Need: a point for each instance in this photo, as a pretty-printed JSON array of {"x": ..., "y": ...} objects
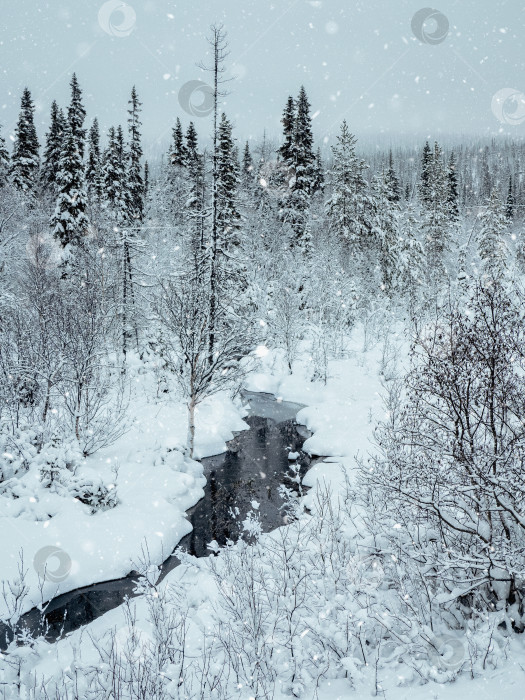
[{"x": 191, "y": 426}]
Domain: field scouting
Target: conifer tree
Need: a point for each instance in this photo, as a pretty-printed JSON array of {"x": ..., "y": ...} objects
[
  {"x": 228, "y": 216},
  {"x": 69, "y": 220},
  {"x": 76, "y": 115},
  {"x": 195, "y": 201},
  {"x": 53, "y": 149},
  {"x": 424, "y": 181},
  {"x": 288, "y": 122},
  {"x": 178, "y": 149},
  {"x": 391, "y": 179},
  {"x": 385, "y": 230},
  {"x": 135, "y": 184},
  {"x": 318, "y": 173},
  {"x": 247, "y": 165},
  {"x": 146, "y": 180},
  {"x": 94, "y": 165},
  {"x": 295, "y": 206},
  {"x": 114, "y": 176},
  {"x": 436, "y": 222},
  {"x": 347, "y": 207},
  {"x": 510, "y": 202},
  {"x": 4, "y": 162},
  {"x": 452, "y": 189},
  {"x": 492, "y": 247},
  {"x": 25, "y": 160},
  {"x": 485, "y": 189},
  {"x": 411, "y": 270},
  {"x": 175, "y": 174}
]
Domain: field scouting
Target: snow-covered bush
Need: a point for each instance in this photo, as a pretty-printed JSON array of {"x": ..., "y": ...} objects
[
  {"x": 325, "y": 598},
  {"x": 17, "y": 450},
  {"x": 450, "y": 472},
  {"x": 91, "y": 490},
  {"x": 57, "y": 458}
]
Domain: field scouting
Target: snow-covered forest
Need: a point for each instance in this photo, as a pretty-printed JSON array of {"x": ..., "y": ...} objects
[{"x": 375, "y": 293}]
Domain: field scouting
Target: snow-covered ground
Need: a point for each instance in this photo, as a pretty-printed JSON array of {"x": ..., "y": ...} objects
[
  {"x": 155, "y": 485},
  {"x": 341, "y": 416}
]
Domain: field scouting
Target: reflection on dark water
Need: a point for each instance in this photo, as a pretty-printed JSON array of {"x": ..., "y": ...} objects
[
  {"x": 254, "y": 467},
  {"x": 252, "y": 470}
]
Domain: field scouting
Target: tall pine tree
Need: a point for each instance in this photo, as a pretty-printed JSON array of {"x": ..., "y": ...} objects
[
  {"x": 93, "y": 165},
  {"x": 492, "y": 247},
  {"x": 228, "y": 216},
  {"x": 135, "y": 183},
  {"x": 53, "y": 150},
  {"x": 4, "y": 162},
  {"x": 76, "y": 115},
  {"x": 69, "y": 220},
  {"x": 25, "y": 161},
  {"x": 347, "y": 207}
]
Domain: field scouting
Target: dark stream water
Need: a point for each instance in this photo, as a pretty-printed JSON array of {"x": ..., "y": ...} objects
[{"x": 252, "y": 469}]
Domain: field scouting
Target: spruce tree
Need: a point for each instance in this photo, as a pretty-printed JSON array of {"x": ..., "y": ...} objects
[
  {"x": 295, "y": 206},
  {"x": 228, "y": 216},
  {"x": 191, "y": 141},
  {"x": 135, "y": 183},
  {"x": 288, "y": 122},
  {"x": 391, "y": 179},
  {"x": 411, "y": 270},
  {"x": 114, "y": 176},
  {"x": 436, "y": 221},
  {"x": 384, "y": 230},
  {"x": 69, "y": 220},
  {"x": 452, "y": 189},
  {"x": 485, "y": 189},
  {"x": 195, "y": 201},
  {"x": 25, "y": 160},
  {"x": 347, "y": 207},
  {"x": 53, "y": 149},
  {"x": 178, "y": 149},
  {"x": 424, "y": 180},
  {"x": 146, "y": 180},
  {"x": 247, "y": 165},
  {"x": 76, "y": 115},
  {"x": 93, "y": 165},
  {"x": 318, "y": 173},
  {"x": 511, "y": 201},
  {"x": 175, "y": 174},
  {"x": 4, "y": 162},
  {"x": 492, "y": 247}
]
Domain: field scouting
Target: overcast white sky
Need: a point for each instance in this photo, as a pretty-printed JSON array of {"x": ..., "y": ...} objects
[{"x": 358, "y": 60}]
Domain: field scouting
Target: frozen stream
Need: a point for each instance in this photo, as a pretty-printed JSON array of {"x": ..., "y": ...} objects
[{"x": 252, "y": 469}]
